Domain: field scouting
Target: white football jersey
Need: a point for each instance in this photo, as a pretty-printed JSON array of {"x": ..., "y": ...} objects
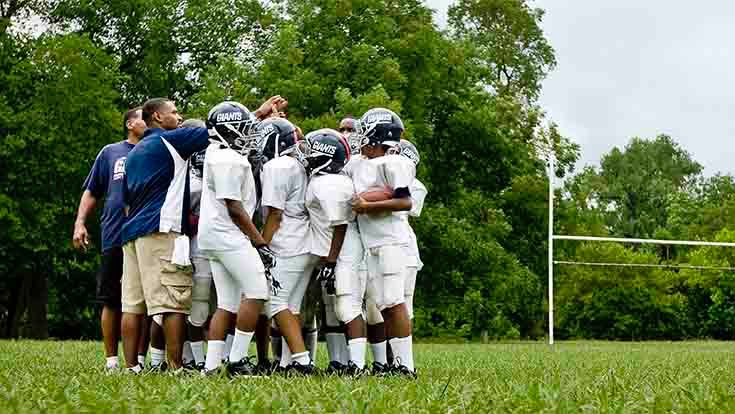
[
  {"x": 227, "y": 176},
  {"x": 418, "y": 194},
  {"x": 393, "y": 171},
  {"x": 329, "y": 202},
  {"x": 284, "y": 184}
]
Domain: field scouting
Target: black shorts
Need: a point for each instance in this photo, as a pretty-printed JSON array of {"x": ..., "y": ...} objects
[{"x": 109, "y": 277}]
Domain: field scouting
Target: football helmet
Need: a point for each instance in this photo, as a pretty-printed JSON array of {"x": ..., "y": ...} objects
[
  {"x": 408, "y": 150},
  {"x": 279, "y": 138},
  {"x": 326, "y": 152},
  {"x": 380, "y": 126},
  {"x": 231, "y": 125}
]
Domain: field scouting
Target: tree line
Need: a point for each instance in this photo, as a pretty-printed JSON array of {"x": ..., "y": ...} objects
[{"x": 469, "y": 96}]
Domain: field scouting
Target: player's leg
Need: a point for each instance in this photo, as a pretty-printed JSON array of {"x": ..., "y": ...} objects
[
  {"x": 228, "y": 302},
  {"x": 144, "y": 340},
  {"x": 309, "y": 310},
  {"x": 410, "y": 287},
  {"x": 350, "y": 289},
  {"x": 262, "y": 341},
  {"x": 247, "y": 269},
  {"x": 157, "y": 343},
  {"x": 133, "y": 306},
  {"x": 109, "y": 296},
  {"x": 334, "y": 334},
  {"x": 375, "y": 323},
  {"x": 290, "y": 273},
  {"x": 200, "y": 294},
  {"x": 391, "y": 305}
]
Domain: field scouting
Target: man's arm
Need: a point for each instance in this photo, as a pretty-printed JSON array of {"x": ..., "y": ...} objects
[
  {"x": 80, "y": 239},
  {"x": 360, "y": 206},
  {"x": 272, "y": 223},
  {"x": 338, "y": 238},
  {"x": 243, "y": 221}
]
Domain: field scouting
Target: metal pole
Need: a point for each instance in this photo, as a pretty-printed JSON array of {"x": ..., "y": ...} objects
[{"x": 551, "y": 246}]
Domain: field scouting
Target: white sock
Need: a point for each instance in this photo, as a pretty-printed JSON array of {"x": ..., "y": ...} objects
[
  {"x": 285, "y": 354},
  {"x": 302, "y": 358},
  {"x": 141, "y": 359},
  {"x": 187, "y": 356},
  {"x": 228, "y": 344},
  {"x": 215, "y": 352},
  {"x": 334, "y": 347},
  {"x": 357, "y": 351},
  {"x": 240, "y": 345},
  {"x": 403, "y": 351},
  {"x": 380, "y": 353},
  {"x": 311, "y": 339},
  {"x": 197, "y": 349},
  {"x": 111, "y": 362},
  {"x": 157, "y": 356}
]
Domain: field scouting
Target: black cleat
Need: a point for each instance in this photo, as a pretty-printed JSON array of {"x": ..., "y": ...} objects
[
  {"x": 335, "y": 368},
  {"x": 193, "y": 366},
  {"x": 403, "y": 371},
  {"x": 352, "y": 370},
  {"x": 220, "y": 371},
  {"x": 380, "y": 370},
  {"x": 266, "y": 367},
  {"x": 243, "y": 367},
  {"x": 157, "y": 369},
  {"x": 296, "y": 369}
]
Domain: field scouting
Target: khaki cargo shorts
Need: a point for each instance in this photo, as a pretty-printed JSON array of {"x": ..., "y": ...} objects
[{"x": 150, "y": 281}]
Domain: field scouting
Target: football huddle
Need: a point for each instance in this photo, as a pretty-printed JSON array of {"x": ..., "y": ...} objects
[{"x": 241, "y": 229}]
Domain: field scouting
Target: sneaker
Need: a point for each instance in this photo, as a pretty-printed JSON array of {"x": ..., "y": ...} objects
[
  {"x": 243, "y": 367},
  {"x": 335, "y": 368},
  {"x": 193, "y": 366},
  {"x": 380, "y": 370},
  {"x": 220, "y": 371},
  {"x": 403, "y": 371},
  {"x": 157, "y": 369},
  {"x": 352, "y": 370},
  {"x": 303, "y": 370}
]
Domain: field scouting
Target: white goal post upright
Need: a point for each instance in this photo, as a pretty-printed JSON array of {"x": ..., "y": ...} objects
[{"x": 551, "y": 246}]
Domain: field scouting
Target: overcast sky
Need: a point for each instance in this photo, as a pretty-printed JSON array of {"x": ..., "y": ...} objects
[{"x": 639, "y": 68}]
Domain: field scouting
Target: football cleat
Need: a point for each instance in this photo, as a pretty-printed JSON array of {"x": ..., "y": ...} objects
[
  {"x": 157, "y": 369},
  {"x": 403, "y": 371},
  {"x": 243, "y": 367},
  {"x": 380, "y": 370},
  {"x": 335, "y": 368},
  {"x": 352, "y": 370},
  {"x": 301, "y": 370},
  {"x": 266, "y": 367},
  {"x": 193, "y": 366}
]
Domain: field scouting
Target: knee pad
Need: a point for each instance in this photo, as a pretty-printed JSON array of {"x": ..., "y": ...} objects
[
  {"x": 158, "y": 319},
  {"x": 408, "y": 299},
  {"x": 345, "y": 308},
  {"x": 199, "y": 313},
  {"x": 393, "y": 291},
  {"x": 200, "y": 289},
  {"x": 373, "y": 315}
]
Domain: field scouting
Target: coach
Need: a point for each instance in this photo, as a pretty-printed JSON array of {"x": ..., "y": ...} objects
[{"x": 106, "y": 180}]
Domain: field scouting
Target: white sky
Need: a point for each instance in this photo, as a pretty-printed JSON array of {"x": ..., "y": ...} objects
[{"x": 639, "y": 68}]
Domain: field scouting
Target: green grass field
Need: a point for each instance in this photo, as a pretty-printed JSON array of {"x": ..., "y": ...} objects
[{"x": 525, "y": 377}]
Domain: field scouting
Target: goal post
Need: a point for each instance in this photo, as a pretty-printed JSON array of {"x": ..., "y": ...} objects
[{"x": 552, "y": 262}]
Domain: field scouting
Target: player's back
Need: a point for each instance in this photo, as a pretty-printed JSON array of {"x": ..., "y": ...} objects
[
  {"x": 227, "y": 176},
  {"x": 329, "y": 203}
]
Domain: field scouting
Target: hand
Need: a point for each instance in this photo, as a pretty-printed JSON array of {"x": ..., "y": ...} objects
[
  {"x": 359, "y": 205},
  {"x": 273, "y": 104},
  {"x": 80, "y": 240},
  {"x": 327, "y": 276},
  {"x": 266, "y": 256}
]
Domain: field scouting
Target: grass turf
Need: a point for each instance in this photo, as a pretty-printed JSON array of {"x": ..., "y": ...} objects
[{"x": 525, "y": 377}]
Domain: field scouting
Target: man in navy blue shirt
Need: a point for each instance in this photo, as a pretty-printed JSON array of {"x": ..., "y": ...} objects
[
  {"x": 105, "y": 180},
  {"x": 156, "y": 195}
]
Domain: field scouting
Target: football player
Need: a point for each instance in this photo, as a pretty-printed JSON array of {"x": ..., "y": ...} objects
[
  {"x": 202, "y": 273},
  {"x": 286, "y": 230},
  {"x": 384, "y": 234},
  {"x": 336, "y": 240},
  {"x": 239, "y": 256}
]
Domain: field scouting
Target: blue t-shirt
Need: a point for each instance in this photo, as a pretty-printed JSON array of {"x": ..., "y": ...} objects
[
  {"x": 157, "y": 180},
  {"x": 106, "y": 179}
]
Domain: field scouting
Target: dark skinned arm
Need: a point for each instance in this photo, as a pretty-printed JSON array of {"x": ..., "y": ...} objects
[
  {"x": 272, "y": 223},
  {"x": 243, "y": 221},
  {"x": 360, "y": 206},
  {"x": 80, "y": 239},
  {"x": 338, "y": 238}
]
